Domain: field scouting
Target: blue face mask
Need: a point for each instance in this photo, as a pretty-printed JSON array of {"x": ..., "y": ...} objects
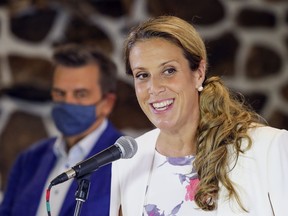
[{"x": 73, "y": 119}]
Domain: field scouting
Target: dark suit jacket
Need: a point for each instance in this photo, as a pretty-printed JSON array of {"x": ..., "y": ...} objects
[{"x": 31, "y": 170}]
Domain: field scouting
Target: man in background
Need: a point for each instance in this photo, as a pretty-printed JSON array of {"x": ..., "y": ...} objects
[{"x": 83, "y": 91}]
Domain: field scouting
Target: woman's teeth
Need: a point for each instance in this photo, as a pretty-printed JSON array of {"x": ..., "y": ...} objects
[{"x": 162, "y": 105}]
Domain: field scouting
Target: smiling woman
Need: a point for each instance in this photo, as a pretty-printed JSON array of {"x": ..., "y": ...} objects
[
  {"x": 234, "y": 163},
  {"x": 163, "y": 80}
]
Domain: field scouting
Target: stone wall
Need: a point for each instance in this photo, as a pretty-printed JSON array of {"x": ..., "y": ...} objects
[{"x": 247, "y": 42}]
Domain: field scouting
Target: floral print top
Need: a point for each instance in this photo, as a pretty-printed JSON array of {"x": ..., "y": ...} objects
[{"x": 171, "y": 188}]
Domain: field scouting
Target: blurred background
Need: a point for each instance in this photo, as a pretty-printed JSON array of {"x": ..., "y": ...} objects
[{"x": 247, "y": 43}]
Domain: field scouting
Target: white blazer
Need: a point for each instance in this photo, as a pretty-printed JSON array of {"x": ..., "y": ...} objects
[{"x": 260, "y": 177}]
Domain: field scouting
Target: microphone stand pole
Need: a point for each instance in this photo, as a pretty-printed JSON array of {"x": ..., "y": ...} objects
[{"x": 81, "y": 193}]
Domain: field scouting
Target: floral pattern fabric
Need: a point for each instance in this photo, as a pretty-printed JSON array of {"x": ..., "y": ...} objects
[{"x": 171, "y": 187}]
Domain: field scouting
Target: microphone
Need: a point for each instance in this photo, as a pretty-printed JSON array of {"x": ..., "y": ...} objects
[{"x": 124, "y": 147}]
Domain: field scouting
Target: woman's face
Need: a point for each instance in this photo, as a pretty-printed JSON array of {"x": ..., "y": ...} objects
[{"x": 166, "y": 87}]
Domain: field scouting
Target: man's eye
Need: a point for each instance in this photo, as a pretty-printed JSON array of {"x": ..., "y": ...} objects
[
  {"x": 58, "y": 94},
  {"x": 81, "y": 94}
]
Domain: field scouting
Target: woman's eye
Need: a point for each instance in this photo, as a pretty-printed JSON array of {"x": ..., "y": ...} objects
[
  {"x": 141, "y": 76},
  {"x": 170, "y": 71}
]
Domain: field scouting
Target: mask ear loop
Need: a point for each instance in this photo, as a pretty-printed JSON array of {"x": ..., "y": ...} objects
[
  {"x": 100, "y": 100},
  {"x": 103, "y": 97}
]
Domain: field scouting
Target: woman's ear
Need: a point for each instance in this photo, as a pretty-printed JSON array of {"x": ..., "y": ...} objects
[
  {"x": 201, "y": 71},
  {"x": 200, "y": 75}
]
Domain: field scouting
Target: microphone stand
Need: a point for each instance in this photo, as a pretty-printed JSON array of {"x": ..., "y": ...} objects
[{"x": 81, "y": 193}]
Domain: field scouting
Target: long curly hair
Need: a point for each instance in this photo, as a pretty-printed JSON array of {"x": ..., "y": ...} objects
[
  {"x": 224, "y": 118},
  {"x": 224, "y": 121}
]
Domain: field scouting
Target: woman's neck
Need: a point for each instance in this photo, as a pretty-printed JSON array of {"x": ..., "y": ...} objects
[{"x": 176, "y": 145}]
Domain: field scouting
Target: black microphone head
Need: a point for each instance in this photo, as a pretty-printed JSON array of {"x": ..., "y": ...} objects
[{"x": 127, "y": 145}]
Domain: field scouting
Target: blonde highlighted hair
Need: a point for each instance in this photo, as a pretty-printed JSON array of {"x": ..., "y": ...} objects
[{"x": 224, "y": 119}]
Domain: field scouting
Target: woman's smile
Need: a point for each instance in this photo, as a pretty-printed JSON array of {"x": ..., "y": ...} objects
[
  {"x": 165, "y": 85},
  {"x": 161, "y": 106}
]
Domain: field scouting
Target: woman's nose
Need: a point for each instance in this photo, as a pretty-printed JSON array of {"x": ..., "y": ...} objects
[{"x": 156, "y": 86}]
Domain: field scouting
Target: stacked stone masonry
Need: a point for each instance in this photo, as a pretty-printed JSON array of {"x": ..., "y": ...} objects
[{"x": 247, "y": 43}]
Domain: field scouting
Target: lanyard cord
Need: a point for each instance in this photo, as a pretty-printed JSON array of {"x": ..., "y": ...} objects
[{"x": 48, "y": 200}]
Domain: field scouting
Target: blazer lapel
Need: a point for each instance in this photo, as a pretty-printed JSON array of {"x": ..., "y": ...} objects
[
  {"x": 144, "y": 162},
  {"x": 109, "y": 136},
  {"x": 37, "y": 184}
]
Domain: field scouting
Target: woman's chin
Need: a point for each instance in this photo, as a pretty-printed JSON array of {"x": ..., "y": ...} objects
[{"x": 164, "y": 125}]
